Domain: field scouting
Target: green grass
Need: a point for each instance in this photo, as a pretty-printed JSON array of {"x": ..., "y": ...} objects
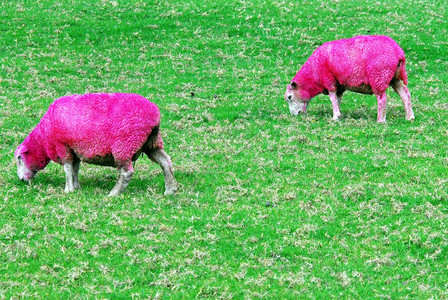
[{"x": 270, "y": 205}]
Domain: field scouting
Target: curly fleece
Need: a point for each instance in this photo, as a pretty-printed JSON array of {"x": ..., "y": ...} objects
[
  {"x": 360, "y": 61},
  {"x": 107, "y": 129}
]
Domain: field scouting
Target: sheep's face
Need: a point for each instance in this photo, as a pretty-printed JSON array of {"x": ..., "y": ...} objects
[
  {"x": 23, "y": 171},
  {"x": 296, "y": 103}
]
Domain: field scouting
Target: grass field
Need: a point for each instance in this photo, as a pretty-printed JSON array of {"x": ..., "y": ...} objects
[{"x": 270, "y": 205}]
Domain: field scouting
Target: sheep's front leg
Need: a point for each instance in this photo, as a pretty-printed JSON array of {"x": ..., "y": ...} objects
[
  {"x": 335, "y": 101},
  {"x": 76, "y": 164},
  {"x": 123, "y": 180},
  {"x": 69, "y": 176},
  {"x": 382, "y": 103},
  {"x": 159, "y": 156}
]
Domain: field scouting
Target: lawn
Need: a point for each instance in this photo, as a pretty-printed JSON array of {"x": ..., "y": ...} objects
[{"x": 269, "y": 205}]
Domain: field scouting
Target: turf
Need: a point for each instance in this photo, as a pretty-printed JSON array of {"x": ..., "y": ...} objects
[{"x": 270, "y": 205}]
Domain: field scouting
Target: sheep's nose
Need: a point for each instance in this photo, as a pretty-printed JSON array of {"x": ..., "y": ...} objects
[{"x": 289, "y": 97}]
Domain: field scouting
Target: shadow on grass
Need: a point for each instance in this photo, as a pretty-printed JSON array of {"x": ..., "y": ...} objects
[
  {"x": 92, "y": 180},
  {"x": 362, "y": 112}
]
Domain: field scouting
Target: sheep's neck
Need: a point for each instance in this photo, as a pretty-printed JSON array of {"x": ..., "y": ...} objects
[
  {"x": 307, "y": 85},
  {"x": 36, "y": 147}
]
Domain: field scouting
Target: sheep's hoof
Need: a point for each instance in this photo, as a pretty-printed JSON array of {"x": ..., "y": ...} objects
[
  {"x": 113, "y": 193},
  {"x": 171, "y": 191}
]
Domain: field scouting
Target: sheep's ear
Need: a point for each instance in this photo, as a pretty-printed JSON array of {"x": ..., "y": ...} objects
[
  {"x": 293, "y": 85},
  {"x": 20, "y": 149},
  {"x": 23, "y": 149}
]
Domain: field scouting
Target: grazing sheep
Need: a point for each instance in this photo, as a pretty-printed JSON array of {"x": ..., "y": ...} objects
[
  {"x": 363, "y": 64},
  {"x": 103, "y": 129}
]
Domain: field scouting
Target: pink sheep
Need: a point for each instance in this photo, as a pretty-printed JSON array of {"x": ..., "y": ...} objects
[
  {"x": 363, "y": 64},
  {"x": 103, "y": 129}
]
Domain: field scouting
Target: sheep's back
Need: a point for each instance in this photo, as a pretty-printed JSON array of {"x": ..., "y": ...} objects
[
  {"x": 99, "y": 124},
  {"x": 359, "y": 60}
]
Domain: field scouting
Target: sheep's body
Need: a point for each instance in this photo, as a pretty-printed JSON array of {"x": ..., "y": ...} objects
[
  {"x": 363, "y": 64},
  {"x": 104, "y": 129}
]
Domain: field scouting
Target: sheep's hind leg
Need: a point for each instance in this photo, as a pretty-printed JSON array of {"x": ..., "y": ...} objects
[
  {"x": 123, "y": 180},
  {"x": 405, "y": 96},
  {"x": 69, "y": 176},
  {"x": 159, "y": 156}
]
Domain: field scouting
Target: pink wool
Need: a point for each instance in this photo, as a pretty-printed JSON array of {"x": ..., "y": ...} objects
[
  {"x": 105, "y": 129},
  {"x": 102, "y": 129},
  {"x": 363, "y": 64}
]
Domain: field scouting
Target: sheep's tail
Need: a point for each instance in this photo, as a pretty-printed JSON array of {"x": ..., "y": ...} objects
[
  {"x": 154, "y": 140},
  {"x": 401, "y": 71}
]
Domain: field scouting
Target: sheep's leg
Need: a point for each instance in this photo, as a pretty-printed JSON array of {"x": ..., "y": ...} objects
[
  {"x": 405, "y": 96},
  {"x": 76, "y": 164},
  {"x": 159, "y": 156},
  {"x": 339, "y": 93},
  {"x": 123, "y": 180},
  {"x": 69, "y": 175},
  {"x": 335, "y": 100},
  {"x": 382, "y": 103}
]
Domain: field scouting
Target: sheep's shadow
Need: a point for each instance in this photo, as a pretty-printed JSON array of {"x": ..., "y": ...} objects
[
  {"x": 363, "y": 111},
  {"x": 101, "y": 179}
]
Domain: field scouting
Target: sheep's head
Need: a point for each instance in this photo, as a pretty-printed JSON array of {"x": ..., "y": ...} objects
[
  {"x": 24, "y": 171},
  {"x": 297, "y": 104}
]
